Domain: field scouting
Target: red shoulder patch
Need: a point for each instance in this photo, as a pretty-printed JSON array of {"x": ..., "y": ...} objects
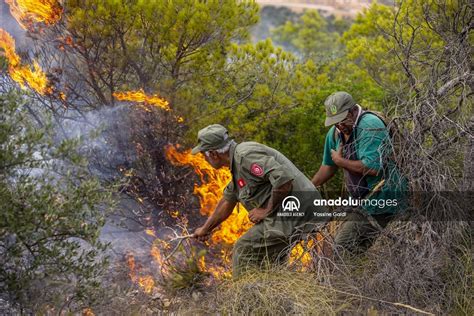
[
  {"x": 256, "y": 170},
  {"x": 241, "y": 183}
]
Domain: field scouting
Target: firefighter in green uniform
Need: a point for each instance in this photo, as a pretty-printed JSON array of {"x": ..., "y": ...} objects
[
  {"x": 359, "y": 143},
  {"x": 262, "y": 178}
]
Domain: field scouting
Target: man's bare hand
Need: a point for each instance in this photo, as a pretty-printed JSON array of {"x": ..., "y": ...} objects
[
  {"x": 257, "y": 215},
  {"x": 336, "y": 156},
  {"x": 201, "y": 234}
]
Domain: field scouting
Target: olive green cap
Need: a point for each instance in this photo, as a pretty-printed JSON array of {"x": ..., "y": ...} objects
[
  {"x": 337, "y": 106},
  {"x": 211, "y": 137}
]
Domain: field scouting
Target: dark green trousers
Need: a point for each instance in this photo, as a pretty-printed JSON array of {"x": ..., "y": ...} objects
[
  {"x": 357, "y": 234},
  {"x": 257, "y": 249}
]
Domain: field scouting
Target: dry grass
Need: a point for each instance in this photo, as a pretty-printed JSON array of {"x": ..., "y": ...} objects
[
  {"x": 273, "y": 292},
  {"x": 426, "y": 269}
]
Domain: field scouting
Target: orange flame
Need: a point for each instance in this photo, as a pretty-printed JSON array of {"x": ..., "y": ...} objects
[
  {"x": 209, "y": 192},
  {"x": 131, "y": 265},
  {"x": 158, "y": 257},
  {"x": 27, "y": 12},
  {"x": 150, "y": 232},
  {"x": 146, "y": 282},
  {"x": 217, "y": 271},
  {"x": 140, "y": 97},
  {"x": 301, "y": 254},
  {"x": 24, "y": 75},
  {"x": 87, "y": 312}
]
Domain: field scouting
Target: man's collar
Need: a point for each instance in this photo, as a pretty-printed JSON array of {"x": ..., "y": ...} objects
[{"x": 359, "y": 112}]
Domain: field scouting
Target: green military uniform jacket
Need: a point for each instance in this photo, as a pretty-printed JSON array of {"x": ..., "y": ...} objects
[{"x": 256, "y": 170}]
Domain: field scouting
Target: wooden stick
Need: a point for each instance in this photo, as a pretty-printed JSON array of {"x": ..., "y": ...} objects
[
  {"x": 181, "y": 237},
  {"x": 180, "y": 241},
  {"x": 382, "y": 301},
  {"x": 369, "y": 217}
]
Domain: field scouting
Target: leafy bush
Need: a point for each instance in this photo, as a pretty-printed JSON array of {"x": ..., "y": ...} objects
[{"x": 52, "y": 212}]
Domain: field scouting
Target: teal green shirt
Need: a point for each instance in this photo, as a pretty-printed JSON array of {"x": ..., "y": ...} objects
[{"x": 373, "y": 148}]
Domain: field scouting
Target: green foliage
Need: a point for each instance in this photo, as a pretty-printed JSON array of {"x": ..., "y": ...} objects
[
  {"x": 267, "y": 94},
  {"x": 420, "y": 52},
  {"x": 312, "y": 36},
  {"x": 52, "y": 212},
  {"x": 339, "y": 25},
  {"x": 376, "y": 39},
  {"x": 270, "y": 95},
  {"x": 3, "y": 64},
  {"x": 183, "y": 271},
  {"x": 156, "y": 45},
  {"x": 256, "y": 84}
]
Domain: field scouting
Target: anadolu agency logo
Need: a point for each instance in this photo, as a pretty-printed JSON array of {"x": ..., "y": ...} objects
[
  {"x": 291, "y": 203},
  {"x": 290, "y": 207}
]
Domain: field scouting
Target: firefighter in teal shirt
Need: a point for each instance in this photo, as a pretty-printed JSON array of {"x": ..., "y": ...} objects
[{"x": 359, "y": 143}]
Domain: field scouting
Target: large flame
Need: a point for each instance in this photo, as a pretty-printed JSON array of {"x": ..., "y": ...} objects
[
  {"x": 140, "y": 97},
  {"x": 27, "y": 12},
  {"x": 209, "y": 192},
  {"x": 33, "y": 77}
]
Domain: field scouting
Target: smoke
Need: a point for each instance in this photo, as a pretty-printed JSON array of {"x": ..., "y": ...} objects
[
  {"x": 9, "y": 24},
  {"x": 104, "y": 135}
]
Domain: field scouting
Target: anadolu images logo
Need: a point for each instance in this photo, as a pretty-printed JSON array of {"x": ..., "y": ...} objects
[{"x": 290, "y": 204}]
